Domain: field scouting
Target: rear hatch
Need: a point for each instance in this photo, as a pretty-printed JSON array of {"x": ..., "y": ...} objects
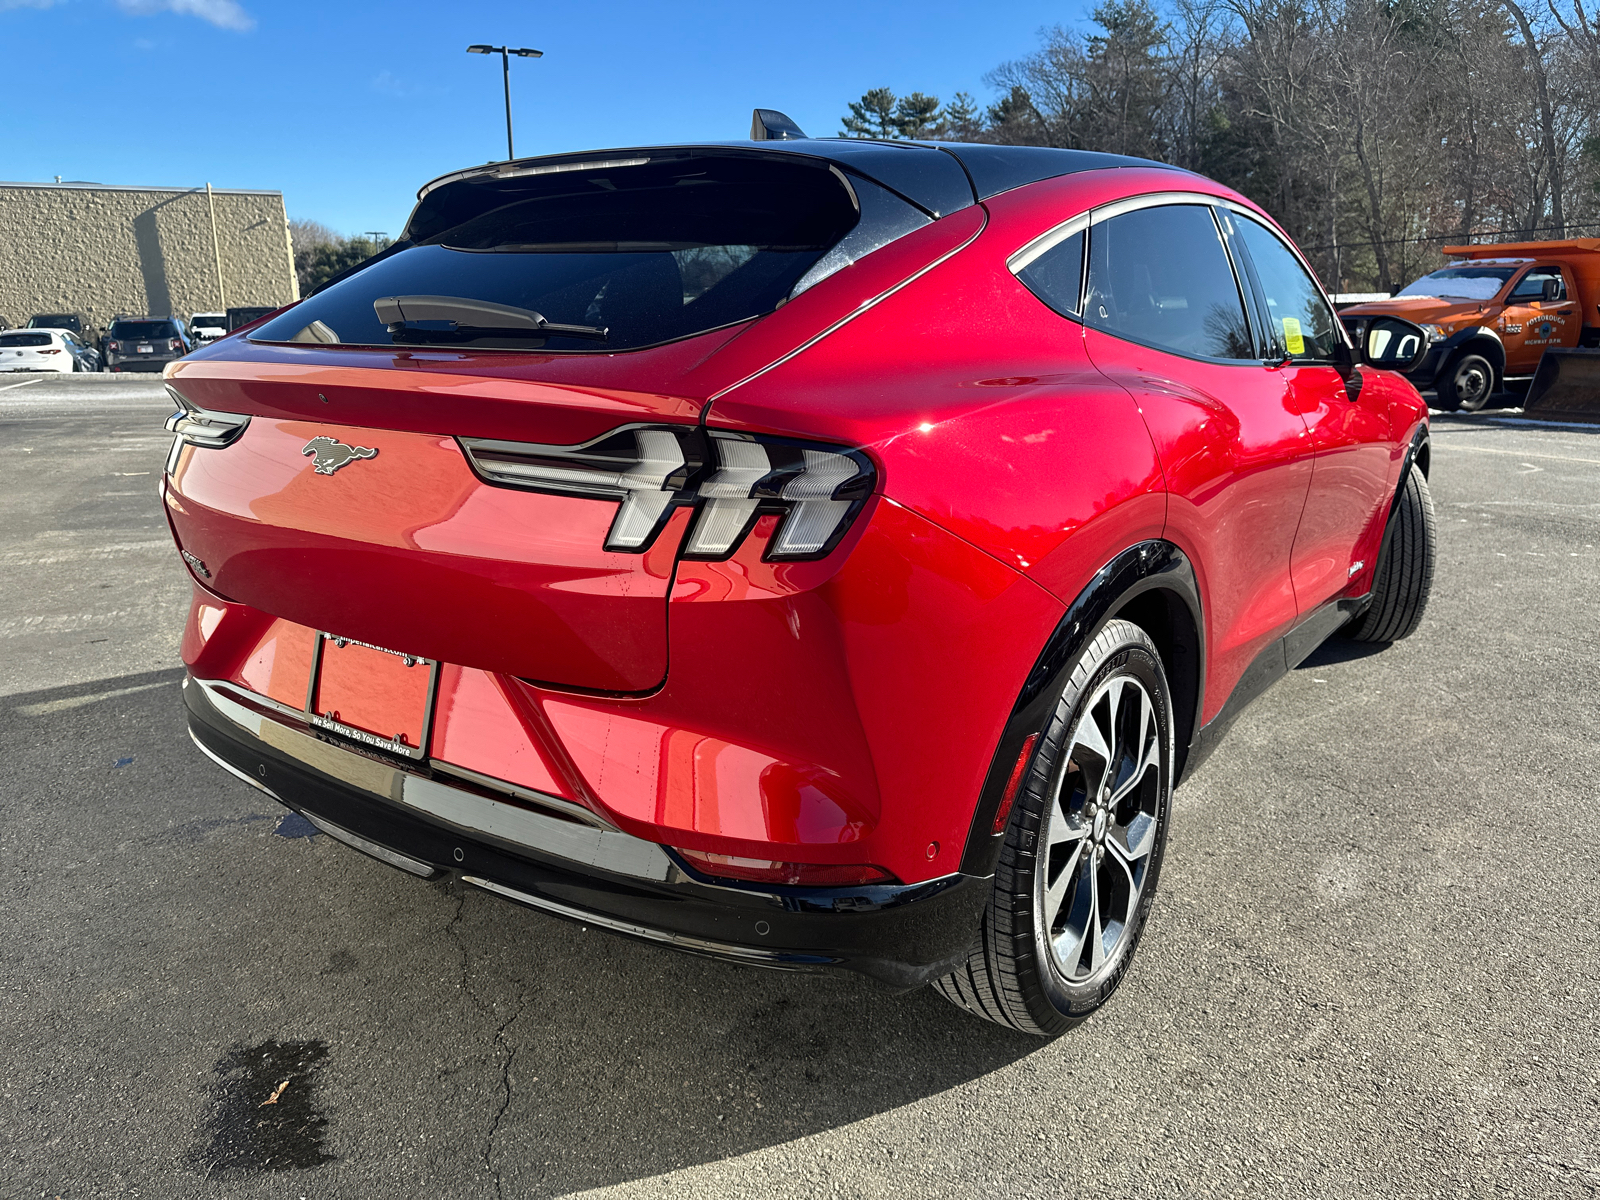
[
  {"x": 143, "y": 339},
  {"x": 474, "y": 449},
  {"x": 21, "y": 350}
]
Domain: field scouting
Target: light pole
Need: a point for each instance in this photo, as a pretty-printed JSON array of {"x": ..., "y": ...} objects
[{"x": 505, "y": 53}]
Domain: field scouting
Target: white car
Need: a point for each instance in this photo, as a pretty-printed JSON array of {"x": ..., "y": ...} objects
[
  {"x": 208, "y": 327},
  {"x": 47, "y": 350}
]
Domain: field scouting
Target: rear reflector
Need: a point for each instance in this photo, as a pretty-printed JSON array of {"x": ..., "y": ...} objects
[
  {"x": 761, "y": 870},
  {"x": 1012, "y": 784}
]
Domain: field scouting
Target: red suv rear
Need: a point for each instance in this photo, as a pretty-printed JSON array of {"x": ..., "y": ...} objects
[{"x": 817, "y": 554}]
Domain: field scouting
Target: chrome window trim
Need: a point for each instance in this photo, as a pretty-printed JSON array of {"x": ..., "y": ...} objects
[
  {"x": 1130, "y": 204},
  {"x": 1022, "y": 259},
  {"x": 588, "y": 845}
]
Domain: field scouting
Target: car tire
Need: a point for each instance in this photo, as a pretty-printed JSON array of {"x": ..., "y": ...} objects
[
  {"x": 1466, "y": 384},
  {"x": 1404, "y": 576},
  {"x": 1041, "y": 962}
]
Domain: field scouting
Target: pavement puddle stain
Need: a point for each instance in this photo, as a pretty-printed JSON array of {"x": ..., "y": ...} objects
[
  {"x": 293, "y": 825},
  {"x": 263, "y": 1116}
]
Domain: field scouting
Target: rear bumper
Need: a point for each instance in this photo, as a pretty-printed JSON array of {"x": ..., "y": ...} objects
[
  {"x": 429, "y": 822},
  {"x": 140, "y": 362}
]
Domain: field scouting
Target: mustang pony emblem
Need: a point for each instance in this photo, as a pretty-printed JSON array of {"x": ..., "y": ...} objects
[{"x": 333, "y": 454}]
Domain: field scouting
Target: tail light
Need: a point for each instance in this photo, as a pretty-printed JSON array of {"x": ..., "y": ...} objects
[
  {"x": 53, "y": 350},
  {"x": 114, "y": 346},
  {"x": 730, "y": 479},
  {"x": 761, "y": 870},
  {"x": 174, "y": 344},
  {"x": 197, "y": 426}
]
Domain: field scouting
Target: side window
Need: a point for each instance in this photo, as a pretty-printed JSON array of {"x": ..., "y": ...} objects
[
  {"x": 1056, "y": 276},
  {"x": 1531, "y": 285},
  {"x": 1161, "y": 276},
  {"x": 1303, "y": 326}
]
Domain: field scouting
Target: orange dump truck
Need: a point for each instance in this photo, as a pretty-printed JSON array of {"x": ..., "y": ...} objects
[{"x": 1515, "y": 311}]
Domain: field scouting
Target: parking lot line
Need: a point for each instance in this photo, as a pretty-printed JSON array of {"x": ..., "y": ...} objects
[
  {"x": 1595, "y": 462},
  {"x": 24, "y": 383}
]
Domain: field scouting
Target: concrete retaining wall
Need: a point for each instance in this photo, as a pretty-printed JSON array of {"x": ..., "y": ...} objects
[{"x": 103, "y": 250}]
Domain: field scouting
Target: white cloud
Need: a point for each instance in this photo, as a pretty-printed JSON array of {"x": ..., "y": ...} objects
[
  {"x": 388, "y": 84},
  {"x": 224, "y": 14},
  {"x": 5, "y": 4}
]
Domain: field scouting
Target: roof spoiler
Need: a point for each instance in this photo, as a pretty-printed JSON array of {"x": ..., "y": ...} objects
[{"x": 770, "y": 125}]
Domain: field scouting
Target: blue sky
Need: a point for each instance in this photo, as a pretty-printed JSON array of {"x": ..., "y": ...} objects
[{"x": 347, "y": 108}]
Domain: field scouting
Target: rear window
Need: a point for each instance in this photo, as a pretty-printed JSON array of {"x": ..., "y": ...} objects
[
  {"x": 622, "y": 255},
  {"x": 56, "y": 321},
  {"x": 140, "y": 330},
  {"x": 15, "y": 340}
]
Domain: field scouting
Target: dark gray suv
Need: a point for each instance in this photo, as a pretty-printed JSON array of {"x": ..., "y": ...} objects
[{"x": 144, "y": 343}]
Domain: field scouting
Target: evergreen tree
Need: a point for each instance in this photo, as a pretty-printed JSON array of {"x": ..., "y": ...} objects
[
  {"x": 1014, "y": 119},
  {"x": 961, "y": 121},
  {"x": 916, "y": 116},
  {"x": 872, "y": 116}
]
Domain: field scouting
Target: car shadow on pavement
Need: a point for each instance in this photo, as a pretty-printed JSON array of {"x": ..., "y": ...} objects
[
  {"x": 515, "y": 1051},
  {"x": 629, "y": 1061},
  {"x": 1340, "y": 650}
]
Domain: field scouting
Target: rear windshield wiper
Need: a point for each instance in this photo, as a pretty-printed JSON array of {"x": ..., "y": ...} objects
[{"x": 471, "y": 320}]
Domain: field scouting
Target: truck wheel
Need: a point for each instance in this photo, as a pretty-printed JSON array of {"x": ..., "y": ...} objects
[
  {"x": 1466, "y": 384},
  {"x": 1083, "y": 846},
  {"x": 1404, "y": 577}
]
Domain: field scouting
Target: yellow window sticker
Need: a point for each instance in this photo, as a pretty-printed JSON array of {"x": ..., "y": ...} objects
[{"x": 1293, "y": 340}]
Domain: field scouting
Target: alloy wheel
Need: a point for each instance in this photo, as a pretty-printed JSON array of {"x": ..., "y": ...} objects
[{"x": 1100, "y": 832}]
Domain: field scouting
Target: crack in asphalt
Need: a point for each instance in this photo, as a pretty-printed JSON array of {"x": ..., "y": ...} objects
[
  {"x": 505, "y": 1083},
  {"x": 500, "y": 1040},
  {"x": 450, "y": 933}
]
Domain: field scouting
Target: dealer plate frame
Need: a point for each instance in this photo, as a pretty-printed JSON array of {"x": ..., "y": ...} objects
[{"x": 390, "y": 745}]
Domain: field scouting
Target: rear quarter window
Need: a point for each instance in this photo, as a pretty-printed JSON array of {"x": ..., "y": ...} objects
[{"x": 636, "y": 253}]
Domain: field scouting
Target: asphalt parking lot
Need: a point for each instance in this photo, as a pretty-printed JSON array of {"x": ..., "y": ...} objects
[{"x": 1374, "y": 967}]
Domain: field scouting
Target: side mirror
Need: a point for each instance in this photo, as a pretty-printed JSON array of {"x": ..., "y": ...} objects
[
  {"x": 1389, "y": 343},
  {"x": 1552, "y": 290}
]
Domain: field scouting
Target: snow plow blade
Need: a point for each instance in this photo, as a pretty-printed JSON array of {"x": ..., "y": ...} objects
[{"x": 1566, "y": 387}]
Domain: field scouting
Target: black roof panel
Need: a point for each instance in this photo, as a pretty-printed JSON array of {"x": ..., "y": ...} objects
[{"x": 940, "y": 178}]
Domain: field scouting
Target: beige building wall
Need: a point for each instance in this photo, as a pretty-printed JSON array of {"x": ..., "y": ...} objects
[{"x": 103, "y": 250}]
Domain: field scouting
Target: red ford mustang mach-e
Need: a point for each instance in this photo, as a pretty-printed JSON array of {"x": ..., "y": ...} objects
[{"x": 814, "y": 553}]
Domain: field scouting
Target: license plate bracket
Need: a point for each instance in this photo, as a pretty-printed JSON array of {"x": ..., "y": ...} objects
[{"x": 379, "y": 697}]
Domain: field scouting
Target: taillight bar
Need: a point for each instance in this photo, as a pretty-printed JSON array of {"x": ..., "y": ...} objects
[
  {"x": 202, "y": 427},
  {"x": 730, "y": 479}
]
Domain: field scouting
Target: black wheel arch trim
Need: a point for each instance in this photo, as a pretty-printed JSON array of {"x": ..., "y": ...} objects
[
  {"x": 1458, "y": 342},
  {"x": 1419, "y": 452},
  {"x": 1149, "y": 572}
]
